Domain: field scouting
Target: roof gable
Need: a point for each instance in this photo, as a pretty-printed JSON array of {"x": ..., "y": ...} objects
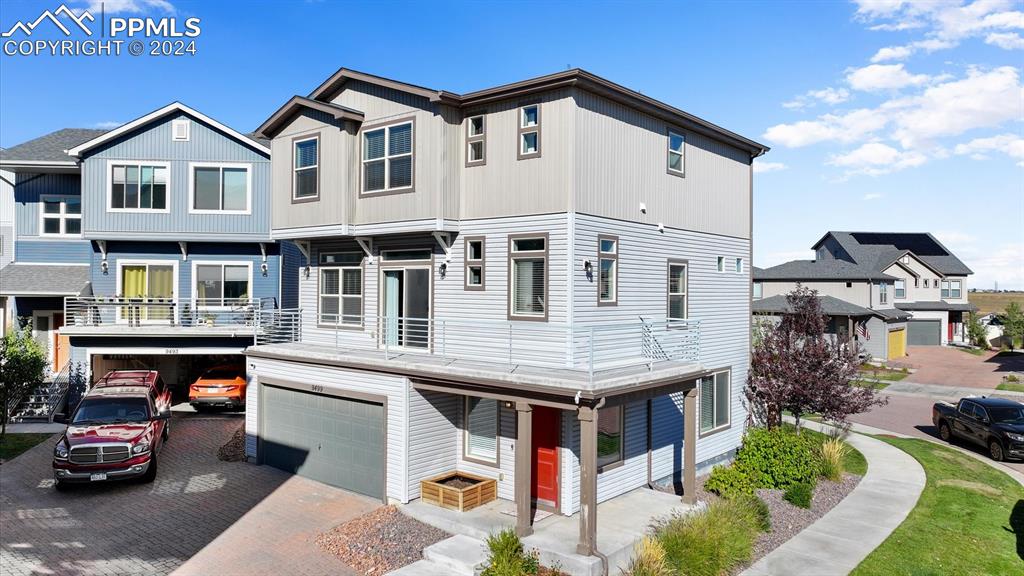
[
  {"x": 293, "y": 107},
  {"x": 878, "y": 250}
]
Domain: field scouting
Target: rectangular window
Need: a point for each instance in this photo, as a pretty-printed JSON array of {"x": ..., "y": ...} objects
[
  {"x": 147, "y": 282},
  {"x": 475, "y": 263},
  {"x": 60, "y": 216},
  {"x": 219, "y": 284},
  {"x": 758, "y": 291},
  {"x": 306, "y": 168},
  {"x": 180, "y": 130},
  {"x": 609, "y": 436},
  {"x": 916, "y": 282},
  {"x": 715, "y": 401},
  {"x": 388, "y": 158},
  {"x": 476, "y": 135},
  {"x": 901, "y": 289},
  {"x": 739, "y": 265},
  {"x": 883, "y": 293},
  {"x": 954, "y": 289},
  {"x": 721, "y": 264},
  {"x": 220, "y": 188},
  {"x": 677, "y": 304},
  {"x": 341, "y": 290},
  {"x": 925, "y": 282},
  {"x": 481, "y": 435},
  {"x": 402, "y": 255},
  {"x": 676, "y": 158},
  {"x": 607, "y": 270},
  {"x": 138, "y": 187},
  {"x": 529, "y": 131},
  {"x": 528, "y": 257},
  {"x": 945, "y": 288}
]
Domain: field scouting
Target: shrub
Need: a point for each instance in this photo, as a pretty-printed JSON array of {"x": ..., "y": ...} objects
[
  {"x": 778, "y": 457},
  {"x": 711, "y": 542},
  {"x": 761, "y": 512},
  {"x": 799, "y": 494},
  {"x": 1011, "y": 378},
  {"x": 729, "y": 482},
  {"x": 507, "y": 557},
  {"x": 648, "y": 560},
  {"x": 833, "y": 452}
]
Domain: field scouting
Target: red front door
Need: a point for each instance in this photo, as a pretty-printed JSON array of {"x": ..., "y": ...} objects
[{"x": 546, "y": 432}]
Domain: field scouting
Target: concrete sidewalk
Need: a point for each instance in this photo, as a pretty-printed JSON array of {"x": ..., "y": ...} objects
[
  {"x": 940, "y": 392},
  {"x": 841, "y": 539},
  {"x": 34, "y": 428}
]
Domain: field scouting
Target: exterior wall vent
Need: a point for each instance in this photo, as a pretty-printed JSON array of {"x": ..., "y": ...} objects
[{"x": 180, "y": 130}]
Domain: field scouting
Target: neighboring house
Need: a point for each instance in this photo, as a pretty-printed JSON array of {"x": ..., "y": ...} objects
[
  {"x": 909, "y": 288},
  {"x": 532, "y": 282},
  {"x": 6, "y": 237},
  {"x": 145, "y": 246}
]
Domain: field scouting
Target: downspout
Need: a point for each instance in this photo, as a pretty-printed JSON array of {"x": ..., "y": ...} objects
[{"x": 596, "y": 552}]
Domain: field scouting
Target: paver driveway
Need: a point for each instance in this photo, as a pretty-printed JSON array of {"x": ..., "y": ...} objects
[
  {"x": 131, "y": 528},
  {"x": 948, "y": 366}
]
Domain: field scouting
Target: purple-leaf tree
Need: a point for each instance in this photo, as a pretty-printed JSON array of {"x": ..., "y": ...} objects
[{"x": 797, "y": 367}]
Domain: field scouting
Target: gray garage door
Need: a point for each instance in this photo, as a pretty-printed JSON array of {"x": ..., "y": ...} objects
[
  {"x": 337, "y": 441},
  {"x": 924, "y": 332}
]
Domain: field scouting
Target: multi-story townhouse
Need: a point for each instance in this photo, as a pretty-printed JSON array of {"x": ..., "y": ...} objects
[
  {"x": 6, "y": 235},
  {"x": 146, "y": 246},
  {"x": 546, "y": 283},
  {"x": 884, "y": 289}
]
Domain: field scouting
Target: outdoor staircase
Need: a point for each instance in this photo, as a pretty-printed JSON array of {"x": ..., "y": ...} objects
[
  {"x": 459, "y": 555},
  {"x": 41, "y": 403}
]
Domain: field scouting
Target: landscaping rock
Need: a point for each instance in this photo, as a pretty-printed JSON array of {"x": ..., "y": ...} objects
[
  {"x": 381, "y": 541},
  {"x": 234, "y": 449}
]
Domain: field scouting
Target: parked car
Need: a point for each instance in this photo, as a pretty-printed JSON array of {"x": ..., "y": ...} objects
[
  {"x": 995, "y": 423},
  {"x": 115, "y": 433},
  {"x": 219, "y": 387}
]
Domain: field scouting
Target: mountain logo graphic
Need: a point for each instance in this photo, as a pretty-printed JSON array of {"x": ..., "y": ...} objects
[{"x": 54, "y": 17}]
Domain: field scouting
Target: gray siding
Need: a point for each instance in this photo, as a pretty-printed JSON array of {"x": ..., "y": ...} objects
[
  {"x": 6, "y": 244},
  {"x": 878, "y": 344},
  {"x": 860, "y": 293},
  {"x": 432, "y": 436}
]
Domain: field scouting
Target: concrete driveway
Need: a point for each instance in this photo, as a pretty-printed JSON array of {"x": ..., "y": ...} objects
[
  {"x": 948, "y": 366},
  {"x": 131, "y": 528}
]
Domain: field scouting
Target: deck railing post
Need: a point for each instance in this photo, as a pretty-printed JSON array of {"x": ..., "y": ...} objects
[{"x": 591, "y": 354}]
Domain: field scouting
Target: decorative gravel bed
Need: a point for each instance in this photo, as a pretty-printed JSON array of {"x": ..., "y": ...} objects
[
  {"x": 234, "y": 449},
  {"x": 381, "y": 541}
]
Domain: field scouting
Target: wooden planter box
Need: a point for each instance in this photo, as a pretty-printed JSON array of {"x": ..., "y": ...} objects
[{"x": 481, "y": 491}]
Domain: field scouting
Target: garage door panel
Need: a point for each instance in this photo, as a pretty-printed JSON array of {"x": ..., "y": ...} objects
[
  {"x": 340, "y": 440},
  {"x": 924, "y": 332}
]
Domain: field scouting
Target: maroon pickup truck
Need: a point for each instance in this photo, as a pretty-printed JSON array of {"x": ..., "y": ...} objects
[{"x": 116, "y": 432}]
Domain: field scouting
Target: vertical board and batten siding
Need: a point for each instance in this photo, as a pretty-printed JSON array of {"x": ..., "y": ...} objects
[
  {"x": 395, "y": 388},
  {"x": 336, "y": 181},
  {"x": 433, "y": 436},
  {"x": 292, "y": 262},
  {"x": 878, "y": 343},
  {"x": 153, "y": 142},
  {"x": 52, "y": 251},
  {"x": 6, "y": 244},
  {"x": 505, "y": 470},
  {"x": 27, "y": 190},
  {"x": 621, "y": 161}
]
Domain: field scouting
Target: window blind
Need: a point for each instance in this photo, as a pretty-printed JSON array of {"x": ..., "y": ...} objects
[{"x": 482, "y": 428}]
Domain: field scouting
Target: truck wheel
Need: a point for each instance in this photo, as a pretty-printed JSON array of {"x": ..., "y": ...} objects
[
  {"x": 60, "y": 486},
  {"x": 995, "y": 449},
  {"x": 150, "y": 474},
  {"x": 945, "y": 433}
]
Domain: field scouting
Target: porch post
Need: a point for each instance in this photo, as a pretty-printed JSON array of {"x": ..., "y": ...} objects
[
  {"x": 849, "y": 335},
  {"x": 588, "y": 481},
  {"x": 690, "y": 447},
  {"x": 524, "y": 468}
]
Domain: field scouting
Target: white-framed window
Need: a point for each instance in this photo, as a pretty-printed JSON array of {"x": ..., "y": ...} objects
[
  {"x": 715, "y": 402},
  {"x": 905, "y": 259},
  {"x": 476, "y": 258},
  {"x": 610, "y": 427},
  {"x": 180, "y": 129},
  {"x": 883, "y": 293},
  {"x": 758, "y": 290},
  {"x": 476, "y": 140},
  {"x": 720, "y": 266},
  {"x": 221, "y": 284},
  {"x": 154, "y": 282},
  {"x": 676, "y": 157},
  {"x": 340, "y": 301},
  {"x": 529, "y": 131},
  {"x": 219, "y": 188},
  {"x": 954, "y": 289},
  {"x": 481, "y": 429},
  {"x": 388, "y": 158},
  {"x": 306, "y": 168},
  {"x": 926, "y": 282},
  {"x": 607, "y": 270},
  {"x": 138, "y": 186},
  {"x": 900, "y": 289},
  {"x": 60, "y": 215},
  {"x": 678, "y": 306},
  {"x": 528, "y": 290},
  {"x": 738, "y": 266},
  {"x": 945, "y": 289}
]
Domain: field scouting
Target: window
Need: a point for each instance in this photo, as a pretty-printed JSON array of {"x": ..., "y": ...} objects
[
  {"x": 138, "y": 187},
  {"x": 306, "y": 168},
  {"x": 905, "y": 259},
  {"x": 739, "y": 265},
  {"x": 849, "y": 284},
  {"x": 925, "y": 282},
  {"x": 945, "y": 288},
  {"x": 916, "y": 282},
  {"x": 607, "y": 270},
  {"x": 714, "y": 402},
  {"x": 721, "y": 263},
  {"x": 476, "y": 132},
  {"x": 402, "y": 255},
  {"x": 341, "y": 289},
  {"x": 529, "y": 131},
  {"x": 475, "y": 263},
  {"x": 147, "y": 281},
  {"x": 481, "y": 418},
  {"x": 220, "y": 188},
  {"x": 609, "y": 436},
  {"x": 60, "y": 216},
  {"x": 222, "y": 284},
  {"x": 758, "y": 291},
  {"x": 954, "y": 289},
  {"x": 528, "y": 290},
  {"x": 180, "y": 130},
  {"x": 676, "y": 158},
  {"x": 387, "y": 158},
  {"x": 901, "y": 289},
  {"x": 883, "y": 293},
  {"x": 677, "y": 304}
]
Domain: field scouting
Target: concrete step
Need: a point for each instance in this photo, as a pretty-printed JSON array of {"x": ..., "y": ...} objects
[
  {"x": 421, "y": 568},
  {"x": 459, "y": 554}
]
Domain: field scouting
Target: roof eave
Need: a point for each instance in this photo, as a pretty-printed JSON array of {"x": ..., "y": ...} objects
[{"x": 273, "y": 125}]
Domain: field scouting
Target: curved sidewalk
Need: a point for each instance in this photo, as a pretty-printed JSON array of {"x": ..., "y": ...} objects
[{"x": 841, "y": 539}]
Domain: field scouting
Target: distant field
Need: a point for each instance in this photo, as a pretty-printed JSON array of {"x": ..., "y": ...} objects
[{"x": 994, "y": 302}]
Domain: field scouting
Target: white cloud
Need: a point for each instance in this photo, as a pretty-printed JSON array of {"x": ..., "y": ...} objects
[
  {"x": 831, "y": 96},
  {"x": 872, "y": 196},
  {"x": 130, "y": 6},
  {"x": 1003, "y": 264},
  {"x": 878, "y": 77},
  {"x": 1010, "y": 144},
  {"x": 892, "y": 53},
  {"x": 108, "y": 125},
  {"x": 1005, "y": 40},
  {"x": 875, "y": 158},
  {"x": 762, "y": 167},
  {"x": 850, "y": 127}
]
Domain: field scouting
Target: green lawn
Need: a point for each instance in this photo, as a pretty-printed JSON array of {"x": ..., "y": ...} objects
[
  {"x": 1012, "y": 386},
  {"x": 973, "y": 351},
  {"x": 887, "y": 375},
  {"x": 870, "y": 384},
  {"x": 968, "y": 520},
  {"x": 13, "y": 444}
]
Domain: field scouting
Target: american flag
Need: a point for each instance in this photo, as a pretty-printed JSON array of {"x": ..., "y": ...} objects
[{"x": 862, "y": 330}]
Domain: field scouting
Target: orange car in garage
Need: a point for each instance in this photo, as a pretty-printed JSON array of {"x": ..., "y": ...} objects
[{"x": 219, "y": 387}]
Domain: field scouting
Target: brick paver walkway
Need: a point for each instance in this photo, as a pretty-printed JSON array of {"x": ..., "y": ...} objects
[{"x": 947, "y": 366}]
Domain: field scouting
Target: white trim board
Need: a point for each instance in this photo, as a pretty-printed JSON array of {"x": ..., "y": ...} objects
[
  {"x": 192, "y": 187},
  {"x": 196, "y": 263},
  {"x": 109, "y": 179}
]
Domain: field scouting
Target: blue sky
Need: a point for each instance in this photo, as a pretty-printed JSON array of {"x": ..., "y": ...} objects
[{"x": 881, "y": 115}]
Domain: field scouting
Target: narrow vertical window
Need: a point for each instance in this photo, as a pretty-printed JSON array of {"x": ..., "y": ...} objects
[
  {"x": 883, "y": 293},
  {"x": 306, "y": 169},
  {"x": 529, "y": 131},
  {"x": 476, "y": 145},
  {"x": 677, "y": 304},
  {"x": 676, "y": 158},
  {"x": 721, "y": 264},
  {"x": 900, "y": 291},
  {"x": 758, "y": 291},
  {"x": 480, "y": 416},
  {"x": 739, "y": 265},
  {"x": 528, "y": 278},
  {"x": 945, "y": 288},
  {"x": 714, "y": 402},
  {"x": 610, "y": 424},
  {"x": 607, "y": 270},
  {"x": 475, "y": 263}
]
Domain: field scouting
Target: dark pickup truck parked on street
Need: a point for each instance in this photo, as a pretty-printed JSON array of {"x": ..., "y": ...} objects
[{"x": 995, "y": 423}]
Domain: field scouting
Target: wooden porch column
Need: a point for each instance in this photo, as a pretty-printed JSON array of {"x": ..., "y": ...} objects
[
  {"x": 524, "y": 468},
  {"x": 690, "y": 447},
  {"x": 850, "y": 333},
  {"x": 588, "y": 481}
]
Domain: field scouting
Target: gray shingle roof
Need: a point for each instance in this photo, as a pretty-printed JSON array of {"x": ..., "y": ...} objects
[
  {"x": 829, "y": 305},
  {"x": 43, "y": 280},
  {"x": 892, "y": 314},
  {"x": 879, "y": 249},
  {"x": 51, "y": 147},
  {"x": 954, "y": 306},
  {"x": 819, "y": 270}
]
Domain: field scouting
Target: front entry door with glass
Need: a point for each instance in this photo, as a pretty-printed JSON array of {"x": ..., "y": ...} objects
[
  {"x": 406, "y": 307},
  {"x": 149, "y": 290}
]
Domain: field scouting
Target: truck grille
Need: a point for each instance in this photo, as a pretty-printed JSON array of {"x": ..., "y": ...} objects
[{"x": 103, "y": 454}]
